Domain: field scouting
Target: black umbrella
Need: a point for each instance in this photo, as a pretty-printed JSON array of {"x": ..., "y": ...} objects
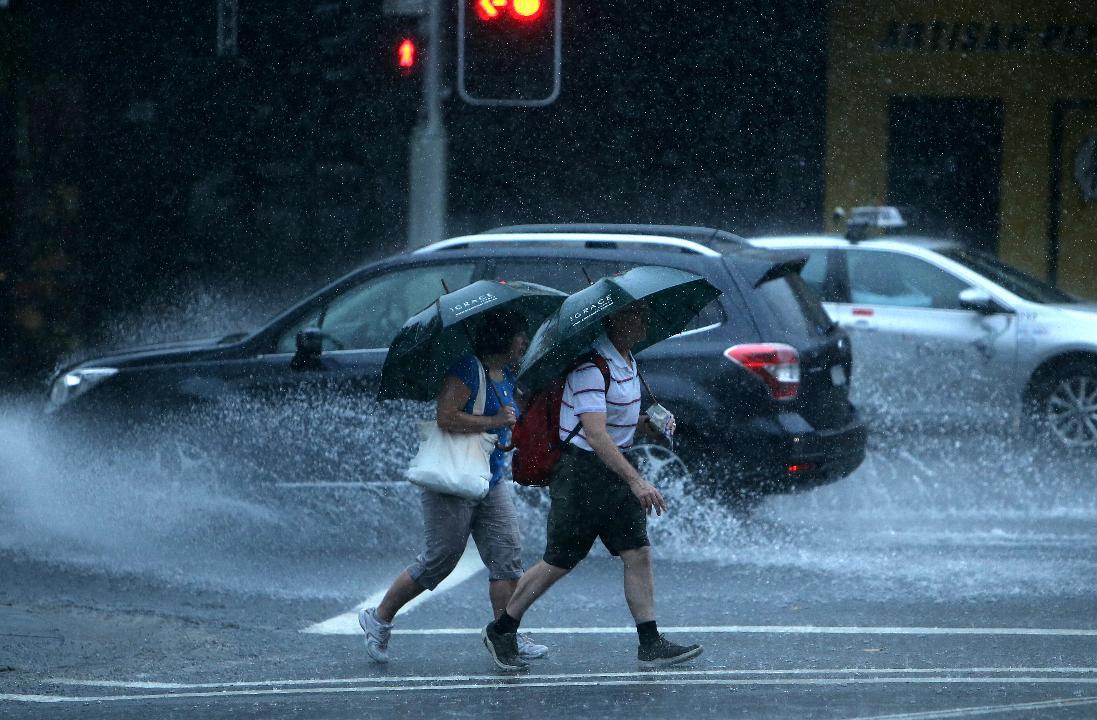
[
  {"x": 432, "y": 340},
  {"x": 674, "y": 296}
]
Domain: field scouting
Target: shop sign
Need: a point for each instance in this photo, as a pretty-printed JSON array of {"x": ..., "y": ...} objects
[{"x": 1069, "y": 39}]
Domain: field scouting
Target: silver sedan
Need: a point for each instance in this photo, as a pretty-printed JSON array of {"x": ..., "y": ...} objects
[{"x": 944, "y": 332}]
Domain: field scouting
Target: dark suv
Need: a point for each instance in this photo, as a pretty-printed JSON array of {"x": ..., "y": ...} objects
[{"x": 759, "y": 382}]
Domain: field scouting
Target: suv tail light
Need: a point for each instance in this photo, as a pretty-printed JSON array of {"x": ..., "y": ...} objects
[{"x": 777, "y": 365}]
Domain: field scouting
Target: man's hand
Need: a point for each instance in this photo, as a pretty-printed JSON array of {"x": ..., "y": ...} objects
[
  {"x": 594, "y": 426},
  {"x": 648, "y": 496}
]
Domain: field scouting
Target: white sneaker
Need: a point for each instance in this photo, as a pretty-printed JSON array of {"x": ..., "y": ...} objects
[
  {"x": 529, "y": 650},
  {"x": 377, "y": 634}
]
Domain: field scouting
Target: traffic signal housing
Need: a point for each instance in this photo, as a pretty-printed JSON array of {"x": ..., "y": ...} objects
[{"x": 509, "y": 51}]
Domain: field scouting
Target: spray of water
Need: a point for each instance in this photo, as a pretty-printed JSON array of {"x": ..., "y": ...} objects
[{"x": 217, "y": 499}]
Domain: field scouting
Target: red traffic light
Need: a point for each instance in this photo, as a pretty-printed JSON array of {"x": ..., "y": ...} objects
[
  {"x": 406, "y": 55},
  {"x": 527, "y": 9},
  {"x": 488, "y": 10}
]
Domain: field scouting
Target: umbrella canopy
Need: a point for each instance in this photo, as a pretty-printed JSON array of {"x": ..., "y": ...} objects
[
  {"x": 675, "y": 297},
  {"x": 433, "y": 339}
]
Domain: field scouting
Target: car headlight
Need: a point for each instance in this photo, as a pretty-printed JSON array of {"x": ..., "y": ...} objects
[{"x": 77, "y": 382}]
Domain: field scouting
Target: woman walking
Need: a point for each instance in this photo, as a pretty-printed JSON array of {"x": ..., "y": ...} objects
[{"x": 500, "y": 341}]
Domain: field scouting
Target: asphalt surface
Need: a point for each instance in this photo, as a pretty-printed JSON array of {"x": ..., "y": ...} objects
[{"x": 951, "y": 577}]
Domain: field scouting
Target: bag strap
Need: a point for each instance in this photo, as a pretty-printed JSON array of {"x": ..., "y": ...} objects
[
  {"x": 601, "y": 364},
  {"x": 481, "y": 390}
]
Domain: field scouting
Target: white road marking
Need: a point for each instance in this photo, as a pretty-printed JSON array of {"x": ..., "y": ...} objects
[
  {"x": 646, "y": 674},
  {"x": 985, "y": 710},
  {"x": 468, "y": 566},
  {"x": 517, "y": 682},
  {"x": 374, "y": 483},
  {"x": 337, "y": 629}
]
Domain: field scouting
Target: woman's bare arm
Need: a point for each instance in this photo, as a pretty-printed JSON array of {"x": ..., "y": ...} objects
[{"x": 451, "y": 410}]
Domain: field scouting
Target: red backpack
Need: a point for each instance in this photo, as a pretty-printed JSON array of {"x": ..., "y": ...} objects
[{"x": 536, "y": 435}]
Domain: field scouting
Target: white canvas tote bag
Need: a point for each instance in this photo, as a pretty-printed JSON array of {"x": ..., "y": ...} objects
[{"x": 454, "y": 463}]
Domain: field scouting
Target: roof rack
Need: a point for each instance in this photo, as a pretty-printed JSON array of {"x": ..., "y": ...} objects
[
  {"x": 592, "y": 240},
  {"x": 696, "y": 233}
]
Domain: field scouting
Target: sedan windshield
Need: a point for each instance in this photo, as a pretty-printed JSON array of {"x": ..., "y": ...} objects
[{"x": 1016, "y": 281}]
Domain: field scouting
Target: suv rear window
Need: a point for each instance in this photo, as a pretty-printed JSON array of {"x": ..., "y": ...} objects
[{"x": 796, "y": 306}]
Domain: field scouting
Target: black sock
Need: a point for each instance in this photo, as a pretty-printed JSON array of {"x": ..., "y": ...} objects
[
  {"x": 506, "y": 624},
  {"x": 648, "y": 632}
]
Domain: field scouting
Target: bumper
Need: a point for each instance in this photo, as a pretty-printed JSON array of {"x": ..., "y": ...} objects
[{"x": 786, "y": 455}]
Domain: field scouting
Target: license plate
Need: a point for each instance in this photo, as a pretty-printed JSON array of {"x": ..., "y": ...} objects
[{"x": 838, "y": 375}]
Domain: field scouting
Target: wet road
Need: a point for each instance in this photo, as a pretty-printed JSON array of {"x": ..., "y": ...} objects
[{"x": 947, "y": 578}]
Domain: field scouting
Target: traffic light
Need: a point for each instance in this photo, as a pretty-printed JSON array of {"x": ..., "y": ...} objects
[
  {"x": 407, "y": 56},
  {"x": 509, "y": 51}
]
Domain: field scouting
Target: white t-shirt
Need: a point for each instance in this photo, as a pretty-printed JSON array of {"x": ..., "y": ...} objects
[{"x": 585, "y": 391}]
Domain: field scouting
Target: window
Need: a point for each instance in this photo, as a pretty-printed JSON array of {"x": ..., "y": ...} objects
[
  {"x": 796, "y": 307},
  {"x": 823, "y": 275},
  {"x": 565, "y": 274},
  {"x": 885, "y": 278},
  {"x": 369, "y": 315},
  {"x": 711, "y": 314},
  {"x": 1017, "y": 282}
]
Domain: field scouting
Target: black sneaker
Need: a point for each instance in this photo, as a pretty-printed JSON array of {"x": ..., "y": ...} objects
[
  {"x": 663, "y": 652},
  {"x": 503, "y": 648}
]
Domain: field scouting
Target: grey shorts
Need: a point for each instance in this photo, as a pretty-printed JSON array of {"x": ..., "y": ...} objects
[{"x": 449, "y": 520}]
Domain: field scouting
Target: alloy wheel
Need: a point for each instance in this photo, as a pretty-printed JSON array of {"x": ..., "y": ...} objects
[
  {"x": 1071, "y": 411},
  {"x": 657, "y": 462}
]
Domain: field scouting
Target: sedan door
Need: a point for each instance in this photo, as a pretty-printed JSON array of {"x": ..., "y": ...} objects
[
  {"x": 319, "y": 422},
  {"x": 917, "y": 351}
]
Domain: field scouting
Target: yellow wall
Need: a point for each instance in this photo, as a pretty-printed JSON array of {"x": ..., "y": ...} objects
[
  {"x": 1078, "y": 219},
  {"x": 865, "y": 69}
]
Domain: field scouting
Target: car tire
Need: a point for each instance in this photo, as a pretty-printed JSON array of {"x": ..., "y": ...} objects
[
  {"x": 699, "y": 473},
  {"x": 1063, "y": 408}
]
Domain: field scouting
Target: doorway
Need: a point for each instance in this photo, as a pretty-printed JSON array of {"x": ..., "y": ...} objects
[{"x": 945, "y": 163}]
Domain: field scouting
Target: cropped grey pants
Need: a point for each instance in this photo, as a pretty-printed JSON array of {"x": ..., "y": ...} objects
[{"x": 449, "y": 520}]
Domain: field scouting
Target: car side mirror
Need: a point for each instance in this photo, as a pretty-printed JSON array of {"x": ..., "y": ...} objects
[
  {"x": 979, "y": 301},
  {"x": 310, "y": 345}
]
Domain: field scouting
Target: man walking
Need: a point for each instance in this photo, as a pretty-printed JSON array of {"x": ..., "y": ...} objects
[{"x": 597, "y": 493}]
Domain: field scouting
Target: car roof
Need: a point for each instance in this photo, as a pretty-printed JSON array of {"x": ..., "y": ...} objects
[
  {"x": 696, "y": 233},
  {"x": 890, "y": 242},
  {"x": 597, "y": 240}
]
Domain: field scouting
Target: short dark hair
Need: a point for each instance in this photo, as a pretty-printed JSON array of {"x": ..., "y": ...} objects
[{"x": 496, "y": 330}]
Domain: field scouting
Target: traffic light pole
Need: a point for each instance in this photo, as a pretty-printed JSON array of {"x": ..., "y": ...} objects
[{"x": 427, "y": 152}]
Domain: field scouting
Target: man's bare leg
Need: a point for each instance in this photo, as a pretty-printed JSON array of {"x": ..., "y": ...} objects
[
  {"x": 639, "y": 584},
  {"x": 532, "y": 585},
  {"x": 500, "y": 592}
]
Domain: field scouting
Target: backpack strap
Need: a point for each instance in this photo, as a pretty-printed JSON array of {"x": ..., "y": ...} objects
[{"x": 601, "y": 363}]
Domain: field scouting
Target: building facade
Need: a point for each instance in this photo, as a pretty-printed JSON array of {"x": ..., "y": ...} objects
[{"x": 982, "y": 116}]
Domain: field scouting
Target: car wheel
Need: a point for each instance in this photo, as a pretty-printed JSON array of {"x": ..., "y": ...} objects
[
  {"x": 660, "y": 464},
  {"x": 1065, "y": 407},
  {"x": 696, "y": 473}
]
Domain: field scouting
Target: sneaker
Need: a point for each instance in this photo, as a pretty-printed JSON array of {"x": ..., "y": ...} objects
[
  {"x": 503, "y": 649},
  {"x": 663, "y": 652},
  {"x": 377, "y": 634},
  {"x": 529, "y": 650}
]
